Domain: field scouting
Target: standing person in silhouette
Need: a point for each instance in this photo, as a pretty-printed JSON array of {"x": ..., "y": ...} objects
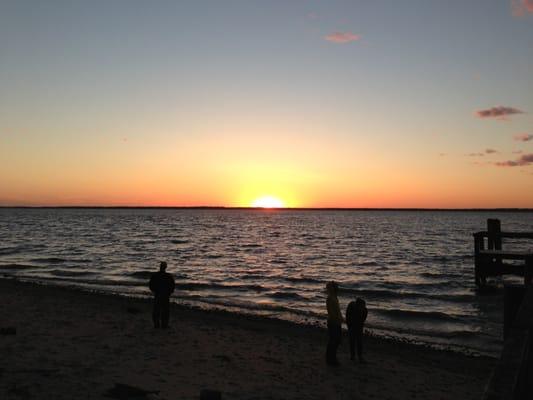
[
  {"x": 162, "y": 285},
  {"x": 334, "y": 323},
  {"x": 356, "y": 314}
]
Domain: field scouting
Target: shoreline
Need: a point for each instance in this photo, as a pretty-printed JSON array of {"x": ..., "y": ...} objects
[
  {"x": 236, "y": 312},
  {"x": 87, "y": 341}
]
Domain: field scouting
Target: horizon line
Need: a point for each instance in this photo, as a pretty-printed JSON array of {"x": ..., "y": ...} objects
[{"x": 480, "y": 209}]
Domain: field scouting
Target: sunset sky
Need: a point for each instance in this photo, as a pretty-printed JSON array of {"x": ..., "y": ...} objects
[{"x": 417, "y": 103}]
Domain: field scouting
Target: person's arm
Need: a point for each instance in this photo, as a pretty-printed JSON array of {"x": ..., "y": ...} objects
[
  {"x": 339, "y": 313},
  {"x": 329, "y": 307},
  {"x": 349, "y": 312},
  {"x": 365, "y": 314},
  {"x": 151, "y": 285},
  {"x": 172, "y": 284}
]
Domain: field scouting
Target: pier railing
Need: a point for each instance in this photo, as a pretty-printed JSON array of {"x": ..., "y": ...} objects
[{"x": 490, "y": 259}]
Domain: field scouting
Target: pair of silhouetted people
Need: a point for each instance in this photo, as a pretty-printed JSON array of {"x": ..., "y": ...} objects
[
  {"x": 356, "y": 314},
  {"x": 162, "y": 285}
]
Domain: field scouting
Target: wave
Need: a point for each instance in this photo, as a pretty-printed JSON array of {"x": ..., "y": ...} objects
[
  {"x": 179, "y": 241},
  {"x": 444, "y": 284},
  {"x": 73, "y": 280},
  {"x": 376, "y": 294},
  {"x": 248, "y": 276},
  {"x": 286, "y": 296},
  {"x": 62, "y": 272},
  {"x": 368, "y": 264},
  {"x": 146, "y": 275},
  {"x": 141, "y": 274},
  {"x": 302, "y": 279},
  {"x": 214, "y": 256},
  {"x": 16, "y": 267},
  {"x": 440, "y": 275},
  {"x": 266, "y": 307},
  {"x": 433, "y": 316},
  {"x": 51, "y": 260},
  {"x": 444, "y": 258},
  {"x": 10, "y": 250},
  {"x": 216, "y": 286},
  {"x": 428, "y": 333}
]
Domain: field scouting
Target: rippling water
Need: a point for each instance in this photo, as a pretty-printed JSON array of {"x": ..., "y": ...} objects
[{"x": 415, "y": 269}]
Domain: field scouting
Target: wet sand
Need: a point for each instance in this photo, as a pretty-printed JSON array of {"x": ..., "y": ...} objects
[{"x": 76, "y": 345}]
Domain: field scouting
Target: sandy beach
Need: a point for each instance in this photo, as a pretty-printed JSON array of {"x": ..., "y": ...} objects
[{"x": 71, "y": 344}]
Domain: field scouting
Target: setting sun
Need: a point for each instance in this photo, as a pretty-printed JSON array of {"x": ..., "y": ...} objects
[{"x": 268, "y": 202}]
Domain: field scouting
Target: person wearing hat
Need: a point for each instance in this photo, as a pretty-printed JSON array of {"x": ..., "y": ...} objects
[
  {"x": 162, "y": 285},
  {"x": 334, "y": 323}
]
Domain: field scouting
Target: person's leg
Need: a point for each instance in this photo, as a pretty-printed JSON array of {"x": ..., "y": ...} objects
[
  {"x": 329, "y": 349},
  {"x": 164, "y": 312},
  {"x": 338, "y": 336},
  {"x": 333, "y": 344},
  {"x": 351, "y": 336},
  {"x": 360, "y": 344},
  {"x": 156, "y": 312}
]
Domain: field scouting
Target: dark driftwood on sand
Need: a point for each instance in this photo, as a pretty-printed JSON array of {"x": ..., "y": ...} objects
[{"x": 122, "y": 391}]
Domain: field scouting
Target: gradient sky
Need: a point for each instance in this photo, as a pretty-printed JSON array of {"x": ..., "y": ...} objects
[{"x": 357, "y": 103}]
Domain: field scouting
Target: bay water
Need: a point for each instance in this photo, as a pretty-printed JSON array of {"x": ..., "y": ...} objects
[{"x": 415, "y": 269}]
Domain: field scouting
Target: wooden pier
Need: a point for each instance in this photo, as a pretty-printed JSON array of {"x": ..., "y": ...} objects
[
  {"x": 512, "y": 379},
  {"x": 490, "y": 258}
]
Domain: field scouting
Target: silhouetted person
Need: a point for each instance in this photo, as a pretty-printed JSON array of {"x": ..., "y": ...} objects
[
  {"x": 356, "y": 314},
  {"x": 162, "y": 285},
  {"x": 334, "y": 323}
]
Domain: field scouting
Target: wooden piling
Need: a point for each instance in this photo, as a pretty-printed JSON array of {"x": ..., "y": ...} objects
[
  {"x": 490, "y": 260},
  {"x": 512, "y": 299}
]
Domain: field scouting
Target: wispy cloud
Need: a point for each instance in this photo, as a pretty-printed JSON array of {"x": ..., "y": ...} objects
[
  {"x": 523, "y": 137},
  {"x": 481, "y": 154},
  {"x": 520, "y": 8},
  {"x": 342, "y": 37},
  {"x": 499, "y": 112},
  {"x": 526, "y": 159}
]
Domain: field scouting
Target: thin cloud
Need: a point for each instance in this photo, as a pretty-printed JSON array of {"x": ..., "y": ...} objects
[
  {"x": 520, "y": 8},
  {"x": 517, "y": 152},
  {"x": 499, "y": 112},
  {"x": 342, "y": 37},
  {"x": 526, "y": 159},
  {"x": 523, "y": 137},
  {"x": 481, "y": 154}
]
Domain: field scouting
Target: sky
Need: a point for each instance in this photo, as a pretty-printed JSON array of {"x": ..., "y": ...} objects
[{"x": 419, "y": 103}]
